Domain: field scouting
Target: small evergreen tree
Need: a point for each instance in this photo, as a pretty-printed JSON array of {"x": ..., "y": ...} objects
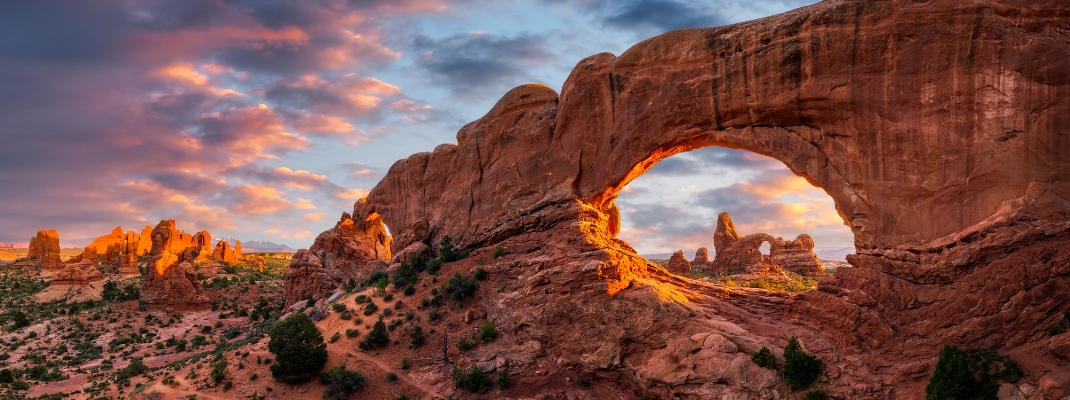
[
  {"x": 299, "y": 349},
  {"x": 446, "y": 251},
  {"x": 378, "y": 337},
  {"x": 764, "y": 358},
  {"x": 800, "y": 369}
]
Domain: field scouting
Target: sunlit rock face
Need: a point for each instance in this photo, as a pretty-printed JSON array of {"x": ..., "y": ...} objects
[
  {"x": 44, "y": 250},
  {"x": 938, "y": 128},
  {"x": 352, "y": 250},
  {"x": 170, "y": 277}
]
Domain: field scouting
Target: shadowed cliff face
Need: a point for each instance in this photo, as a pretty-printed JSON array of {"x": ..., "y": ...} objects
[{"x": 939, "y": 128}]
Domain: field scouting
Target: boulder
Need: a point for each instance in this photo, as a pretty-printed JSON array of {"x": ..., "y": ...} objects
[
  {"x": 678, "y": 264},
  {"x": 44, "y": 250},
  {"x": 416, "y": 248}
]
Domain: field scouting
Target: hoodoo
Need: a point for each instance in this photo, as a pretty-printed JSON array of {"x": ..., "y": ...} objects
[{"x": 939, "y": 129}]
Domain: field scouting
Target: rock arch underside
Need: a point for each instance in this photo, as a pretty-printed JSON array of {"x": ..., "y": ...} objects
[{"x": 941, "y": 129}]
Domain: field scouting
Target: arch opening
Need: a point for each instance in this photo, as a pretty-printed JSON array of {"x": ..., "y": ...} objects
[{"x": 674, "y": 204}]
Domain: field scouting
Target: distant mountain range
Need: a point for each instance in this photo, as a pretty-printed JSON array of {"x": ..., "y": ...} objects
[
  {"x": 824, "y": 253},
  {"x": 257, "y": 246}
]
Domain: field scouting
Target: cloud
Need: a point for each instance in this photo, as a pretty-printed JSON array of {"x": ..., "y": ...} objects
[
  {"x": 258, "y": 200},
  {"x": 478, "y": 61},
  {"x": 676, "y": 208},
  {"x": 358, "y": 171},
  {"x": 348, "y": 96}
]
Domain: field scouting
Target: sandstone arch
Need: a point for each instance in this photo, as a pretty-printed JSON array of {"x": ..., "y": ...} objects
[{"x": 941, "y": 129}]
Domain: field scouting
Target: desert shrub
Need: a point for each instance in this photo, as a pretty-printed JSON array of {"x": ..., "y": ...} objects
[
  {"x": 375, "y": 278},
  {"x": 378, "y": 337},
  {"x": 503, "y": 380},
  {"x": 136, "y": 367},
  {"x": 465, "y": 345},
  {"x": 447, "y": 252},
  {"x": 335, "y": 337},
  {"x": 298, "y": 348},
  {"x": 460, "y": 287},
  {"x": 583, "y": 382},
  {"x": 434, "y": 266},
  {"x": 488, "y": 332},
  {"x": 410, "y": 290},
  {"x": 764, "y": 358},
  {"x": 370, "y": 309},
  {"x": 361, "y": 299},
  {"x": 800, "y": 369},
  {"x": 338, "y": 307},
  {"x": 816, "y": 395},
  {"x": 391, "y": 377},
  {"x": 480, "y": 274},
  {"x": 970, "y": 374},
  {"x": 405, "y": 363},
  {"x": 341, "y": 383},
  {"x": 417, "y": 337},
  {"x": 1062, "y": 326},
  {"x": 219, "y": 370},
  {"x": 19, "y": 319},
  {"x": 499, "y": 252},
  {"x": 473, "y": 381},
  {"x": 346, "y": 315},
  {"x": 352, "y": 333}
]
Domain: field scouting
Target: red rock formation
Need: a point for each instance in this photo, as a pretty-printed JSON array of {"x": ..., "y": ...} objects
[
  {"x": 237, "y": 249},
  {"x": 171, "y": 278},
  {"x": 224, "y": 253},
  {"x": 678, "y": 264},
  {"x": 340, "y": 253},
  {"x": 144, "y": 245},
  {"x": 118, "y": 250},
  {"x": 702, "y": 259},
  {"x": 44, "y": 250},
  {"x": 744, "y": 253},
  {"x": 796, "y": 255},
  {"x": 77, "y": 274},
  {"x": 937, "y": 127}
]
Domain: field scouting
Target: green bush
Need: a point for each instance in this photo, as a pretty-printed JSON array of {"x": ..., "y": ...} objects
[
  {"x": 417, "y": 337},
  {"x": 370, "y": 309},
  {"x": 351, "y": 333},
  {"x": 341, "y": 383},
  {"x": 434, "y": 266},
  {"x": 335, "y": 337},
  {"x": 410, "y": 290},
  {"x": 764, "y": 358},
  {"x": 465, "y": 345},
  {"x": 447, "y": 252},
  {"x": 338, "y": 307},
  {"x": 800, "y": 369},
  {"x": 299, "y": 349},
  {"x": 488, "y": 332},
  {"x": 970, "y": 374},
  {"x": 473, "y": 381},
  {"x": 378, "y": 337},
  {"x": 391, "y": 377},
  {"x": 816, "y": 395},
  {"x": 499, "y": 252},
  {"x": 219, "y": 370},
  {"x": 503, "y": 380},
  {"x": 460, "y": 287},
  {"x": 1062, "y": 326},
  {"x": 480, "y": 274}
]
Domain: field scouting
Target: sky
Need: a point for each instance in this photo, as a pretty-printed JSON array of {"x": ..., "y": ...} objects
[{"x": 266, "y": 119}]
